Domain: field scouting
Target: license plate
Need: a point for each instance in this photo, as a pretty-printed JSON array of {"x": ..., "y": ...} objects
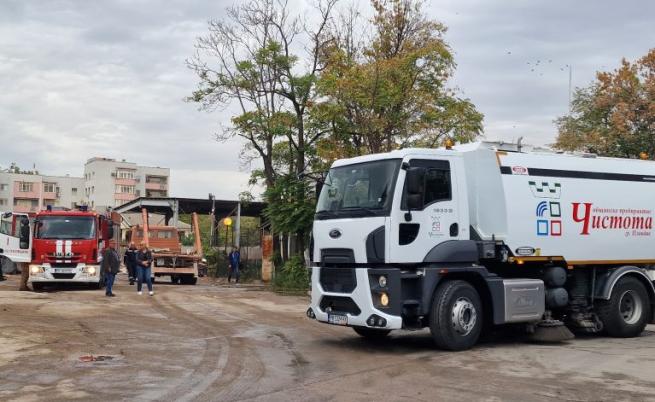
[
  {"x": 338, "y": 319},
  {"x": 64, "y": 270}
]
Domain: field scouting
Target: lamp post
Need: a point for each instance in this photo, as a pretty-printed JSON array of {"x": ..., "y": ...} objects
[{"x": 227, "y": 222}]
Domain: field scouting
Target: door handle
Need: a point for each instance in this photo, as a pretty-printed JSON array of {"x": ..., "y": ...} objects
[{"x": 454, "y": 230}]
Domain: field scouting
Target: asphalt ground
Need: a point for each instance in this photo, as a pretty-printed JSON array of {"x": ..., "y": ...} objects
[{"x": 213, "y": 342}]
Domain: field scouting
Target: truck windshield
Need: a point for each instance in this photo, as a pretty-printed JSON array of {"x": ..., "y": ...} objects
[
  {"x": 363, "y": 189},
  {"x": 65, "y": 227}
]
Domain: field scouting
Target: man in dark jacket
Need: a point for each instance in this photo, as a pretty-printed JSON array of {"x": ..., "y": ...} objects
[
  {"x": 130, "y": 262},
  {"x": 111, "y": 263}
]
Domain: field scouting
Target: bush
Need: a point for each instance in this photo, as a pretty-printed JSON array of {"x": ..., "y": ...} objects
[{"x": 293, "y": 277}]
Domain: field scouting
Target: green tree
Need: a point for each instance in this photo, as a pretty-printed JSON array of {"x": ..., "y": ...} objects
[
  {"x": 615, "y": 115},
  {"x": 389, "y": 90}
]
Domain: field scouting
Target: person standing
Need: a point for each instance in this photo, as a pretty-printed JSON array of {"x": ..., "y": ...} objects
[
  {"x": 130, "y": 262},
  {"x": 111, "y": 263},
  {"x": 234, "y": 259},
  {"x": 144, "y": 263}
]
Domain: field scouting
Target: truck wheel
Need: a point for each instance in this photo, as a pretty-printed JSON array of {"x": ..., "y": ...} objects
[
  {"x": 372, "y": 333},
  {"x": 626, "y": 313},
  {"x": 175, "y": 279},
  {"x": 456, "y": 316},
  {"x": 37, "y": 287},
  {"x": 193, "y": 281}
]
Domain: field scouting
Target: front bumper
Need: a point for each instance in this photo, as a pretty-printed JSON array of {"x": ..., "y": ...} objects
[
  {"x": 78, "y": 274},
  {"x": 362, "y": 298}
]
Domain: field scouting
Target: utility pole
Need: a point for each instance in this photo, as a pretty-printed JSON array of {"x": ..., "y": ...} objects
[
  {"x": 570, "y": 87},
  {"x": 213, "y": 219}
]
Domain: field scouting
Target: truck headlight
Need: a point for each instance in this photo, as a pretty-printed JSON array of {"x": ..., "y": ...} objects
[
  {"x": 36, "y": 269},
  {"x": 90, "y": 269},
  {"x": 382, "y": 281},
  {"x": 384, "y": 299}
]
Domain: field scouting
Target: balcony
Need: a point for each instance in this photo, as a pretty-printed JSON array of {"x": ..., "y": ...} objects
[
  {"x": 156, "y": 186},
  {"x": 25, "y": 208},
  {"x": 126, "y": 182},
  {"x": 124, "y": 196},
  {"x": 34, "y": 193}
]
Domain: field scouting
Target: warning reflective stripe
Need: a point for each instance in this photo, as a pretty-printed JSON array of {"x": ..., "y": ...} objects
[
  {"x": 59, "y": 249},
  {"x": 69, "y": 248}
]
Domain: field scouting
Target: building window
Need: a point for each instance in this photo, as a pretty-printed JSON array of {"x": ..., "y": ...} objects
[
  {"x": 49, "y": 187},
  {"x": 3, "y": 201},
  {"x": 25, "y": 187},
  {"x": 125, "y": 174},
  {"x": 74, "y": 191},
  {"x": 122, "y": 189},
  {"x": 3, "y": 186}
]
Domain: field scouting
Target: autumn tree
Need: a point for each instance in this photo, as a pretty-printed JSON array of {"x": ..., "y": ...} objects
[
  {"x": 385, "y": 85},
  {"x": 615, "y": 115}
]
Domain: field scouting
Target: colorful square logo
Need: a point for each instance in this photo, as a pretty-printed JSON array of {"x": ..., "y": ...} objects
[
  {"x": 542, "y": 227},
  {"x": 555, "y": 228},
  {"x": 555, "y": 210}
]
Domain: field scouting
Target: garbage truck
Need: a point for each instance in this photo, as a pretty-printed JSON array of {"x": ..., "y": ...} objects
[{"x": 463, "y": 239}]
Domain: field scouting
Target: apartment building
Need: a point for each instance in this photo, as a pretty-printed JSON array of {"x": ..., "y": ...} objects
[
  {"x": 106, "y": 183},
  {"x": 110, "y": 183},
  {"x": 31, "y": 192}
]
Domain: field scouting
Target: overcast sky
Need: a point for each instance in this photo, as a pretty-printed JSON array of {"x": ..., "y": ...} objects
[{"x": 107, "y": 78}]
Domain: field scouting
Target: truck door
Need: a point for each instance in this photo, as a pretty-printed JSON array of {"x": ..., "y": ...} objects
[
  {"x": 11, "y": 226},
  {"x": 414, "y": 233}
]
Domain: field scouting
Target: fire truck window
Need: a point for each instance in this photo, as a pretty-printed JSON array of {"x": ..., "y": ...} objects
[
  {"x": 5, "y": 227},
  {"x": 65, "y": 227}
]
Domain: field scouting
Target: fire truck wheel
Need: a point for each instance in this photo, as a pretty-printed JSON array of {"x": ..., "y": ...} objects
[
  {"x": 456, "y": 316},
  {"x": 626, "y": 313},
  {"x": 371, "y": 333}
]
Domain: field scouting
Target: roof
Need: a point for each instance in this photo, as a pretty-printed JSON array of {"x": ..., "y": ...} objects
[{"x": 166, "y": 205}]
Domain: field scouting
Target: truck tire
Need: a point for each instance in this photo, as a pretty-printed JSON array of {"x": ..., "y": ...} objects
[
  {"x": 372, "y": 333},
  {"x": 175, "y": 279},
  {"x": 456, "y": 316},
  {"x": 626, "y": 313},
  {"x": 193, "y": 281},
  {"x": 37, "y": 287}
]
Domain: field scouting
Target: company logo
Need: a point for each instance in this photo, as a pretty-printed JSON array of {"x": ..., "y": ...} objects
[
  {"x": 335, "y": 233},
  {"x": 519, "y": 170},
  {"x": 634, "y": 222},
  {"x": 545, "y": 189},
  {"x": 549, "y": 222}
]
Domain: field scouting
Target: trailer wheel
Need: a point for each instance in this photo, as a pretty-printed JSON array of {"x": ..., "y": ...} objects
[
  {"x": 626, "y": 313},
  {"x": 456, "y": 316},
  {"x": 372, "y": 333}
]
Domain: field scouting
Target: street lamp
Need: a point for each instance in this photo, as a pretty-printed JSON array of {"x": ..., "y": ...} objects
[{"x": 227, "y": 222}]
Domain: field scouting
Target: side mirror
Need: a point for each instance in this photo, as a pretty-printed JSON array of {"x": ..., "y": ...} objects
[
  {"x": 319, "y": 188},
  {"x": 24, "y": 239},
  {"x": 415, "y": 179}
]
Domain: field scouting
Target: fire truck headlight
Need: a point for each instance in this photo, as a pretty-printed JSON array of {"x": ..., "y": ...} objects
[
  {"x": 384, "y": 299},
  {"x": 36, "y": 269},
  {"x": 90, "y": 269}
]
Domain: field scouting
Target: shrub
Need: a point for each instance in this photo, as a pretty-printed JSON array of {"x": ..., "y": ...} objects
[{"x": 294, "y": 276}]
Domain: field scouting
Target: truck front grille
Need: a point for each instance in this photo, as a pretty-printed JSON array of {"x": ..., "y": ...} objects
[
  {"x": 338, "y": 280},
  {"x": 339, "y": 304},
  {"x": 63, "y": 276}
]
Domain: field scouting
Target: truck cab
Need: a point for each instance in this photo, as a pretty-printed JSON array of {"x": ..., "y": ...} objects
[{"x": 67, "y": 247}]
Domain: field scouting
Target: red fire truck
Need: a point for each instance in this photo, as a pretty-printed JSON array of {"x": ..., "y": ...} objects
[{"x": 67, "y": 246}]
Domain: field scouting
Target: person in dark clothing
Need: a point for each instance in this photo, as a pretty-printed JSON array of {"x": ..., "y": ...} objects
[
  {"x": 111, "y": 263},
  {"x": 130, "y": 262},
  {"x": 144, "y": 263},
  {"x": 234, "y": 259}
]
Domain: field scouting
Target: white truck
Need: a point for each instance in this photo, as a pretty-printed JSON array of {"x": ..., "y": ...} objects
[
  {"x": 12, "y": 247},
  {"x": 485, "y": 234}
]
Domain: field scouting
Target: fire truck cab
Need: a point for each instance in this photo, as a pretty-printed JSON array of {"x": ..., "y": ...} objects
[{"x": 67, "y": 246}]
